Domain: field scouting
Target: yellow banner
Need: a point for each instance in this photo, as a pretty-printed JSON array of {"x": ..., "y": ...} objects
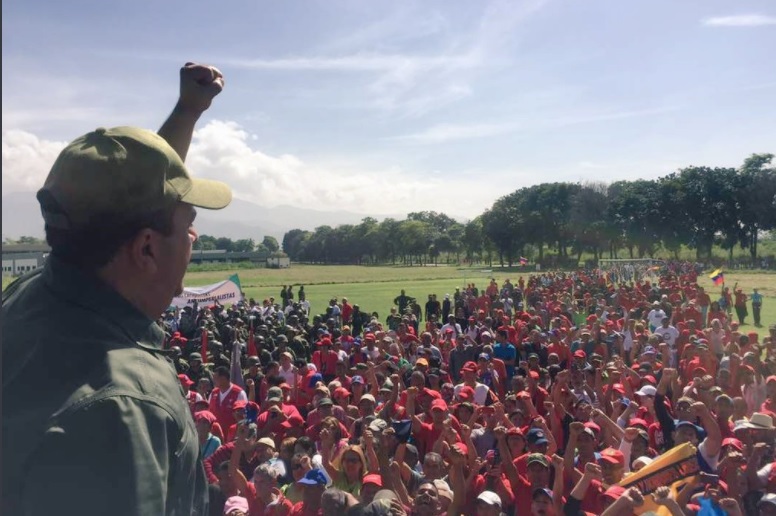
[{"x": 674, "y": 469}]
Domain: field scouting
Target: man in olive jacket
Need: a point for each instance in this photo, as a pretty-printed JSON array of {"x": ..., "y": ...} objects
[{"x": 94, "y": 418}]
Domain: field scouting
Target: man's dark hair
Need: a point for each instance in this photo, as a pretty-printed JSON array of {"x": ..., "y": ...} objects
[
  {"x": 94, "y": 245},
  {"x": 306, "y": 446},
  {"x": 223, "y": 372}
]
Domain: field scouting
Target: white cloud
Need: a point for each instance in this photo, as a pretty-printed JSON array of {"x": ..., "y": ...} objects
[
  {"x": 27, "y": 160},
  {"x": 740, "y": 20},
  {"x": 224, "y": 150},
  {"x": 443, "y": 133}
]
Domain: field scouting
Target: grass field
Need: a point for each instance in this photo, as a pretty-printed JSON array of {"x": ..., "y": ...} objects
[{"x": 374, "y": 288}]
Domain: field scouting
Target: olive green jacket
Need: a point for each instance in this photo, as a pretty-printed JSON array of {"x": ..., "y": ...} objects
[{"x": 94, "y": 418}]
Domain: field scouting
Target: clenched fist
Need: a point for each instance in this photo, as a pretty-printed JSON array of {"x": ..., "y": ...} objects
[{"x": 199, "y": 86}]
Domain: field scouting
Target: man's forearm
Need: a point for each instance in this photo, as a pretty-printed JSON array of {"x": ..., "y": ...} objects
[{"x": 178, "y": 129}]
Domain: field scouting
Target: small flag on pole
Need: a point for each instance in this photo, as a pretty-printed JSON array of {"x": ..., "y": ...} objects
[
  {"x": 523, "y": 261},
  {"x": 203, "y": 349},
  {"x": 717, "y": 277},
  {"x": 251, "y": 344}
]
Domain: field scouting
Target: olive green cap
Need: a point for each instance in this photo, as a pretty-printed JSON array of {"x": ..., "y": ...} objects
[{"x": 124, "y": 173}]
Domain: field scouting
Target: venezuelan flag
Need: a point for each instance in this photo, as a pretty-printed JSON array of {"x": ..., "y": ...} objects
[{"x": 717, "y": 277}]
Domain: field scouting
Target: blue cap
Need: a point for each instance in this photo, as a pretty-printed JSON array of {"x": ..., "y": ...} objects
[
  {"x": 357, "y": 379},
  {"x": 543, "y": 490},
  {"x": 317, "y": 377},
  {"x": 699, "y": 431},
  {"x": 314, "y": 477},
  {"x": 485, "y": 356},
  {"x": 536, "y": 436}
]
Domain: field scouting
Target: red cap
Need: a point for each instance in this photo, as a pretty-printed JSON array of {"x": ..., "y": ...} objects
[
  {"x": 470, "y": 366},
  {"x": 341, "y": 392},
  {"x": 580, "y": 354},
  {"x": 515, "y": 431},
  {"x": 466, "y": 393},
  {"x": 637, "y": 421},
  {"x": 239, "y": 405},
  {"x": 618, "y": 387},
  {"x": 613, "y": 456},
  {"x": 593, "y": 426},
  {"x": 284, "y": 386},
  {"x": 326, "y": 341},
  {"x": 206, "y": 415},
  {"x": 770, "y": 379},
  {"x": 447, "y": 331},
  {"x": 439, "y": 404},
  {"x": 735, "y": 443},
  {"x": 534, "y": 375},
  {"x": 651, "y": 379},
  {"x": 185, "y": 380},
  {"x": 370, "y": 337},
  {"x": 592, "y": 318},
  {"x": 372, "y": 478}
]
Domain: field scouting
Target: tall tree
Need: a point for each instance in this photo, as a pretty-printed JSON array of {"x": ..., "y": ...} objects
[{"x": 271, "y": 243}]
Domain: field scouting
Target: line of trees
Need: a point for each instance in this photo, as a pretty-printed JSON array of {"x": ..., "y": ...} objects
[
  {"x": 697, "y": 206},
  {"x": 210, "y": 243}
]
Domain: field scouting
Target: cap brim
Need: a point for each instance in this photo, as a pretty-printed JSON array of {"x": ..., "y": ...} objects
[{"x": 208, "y": 194}]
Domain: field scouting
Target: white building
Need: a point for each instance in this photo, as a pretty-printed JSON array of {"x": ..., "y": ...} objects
[{"x": 20, "y": 259}]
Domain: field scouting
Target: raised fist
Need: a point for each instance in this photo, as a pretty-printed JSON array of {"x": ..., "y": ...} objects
[
  {"x": 662, "y": 495},
  {"x": 593, "y": 471},
  {"x": 199, "y": 85},
  {"x": 634, "y": 496},
  {"x": 576, "y": 428}
]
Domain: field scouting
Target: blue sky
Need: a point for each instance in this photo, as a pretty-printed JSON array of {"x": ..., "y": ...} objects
[{"x": 398, "y": 106}]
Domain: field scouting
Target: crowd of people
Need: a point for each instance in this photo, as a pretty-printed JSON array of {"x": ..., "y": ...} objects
[
  {"x": 563, "y": 393},
  {"x": 539, "y": 397}
]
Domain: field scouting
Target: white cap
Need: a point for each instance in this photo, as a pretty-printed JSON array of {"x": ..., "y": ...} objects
[
  {"x": 647, "y": 390},
  {"x": 644, "y": 460},
  {"x": 490, "y": 498},
  {"x": 769, "y": 498}
]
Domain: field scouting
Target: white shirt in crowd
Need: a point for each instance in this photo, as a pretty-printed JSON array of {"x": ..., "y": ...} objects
[
  {"x": 455, "y": 327},
  {"x": 222, "y": 395},
  {"x": 655, "y": 317},
  {"x": 480, "y": 392},
  {"x": 669, "y": 335}
]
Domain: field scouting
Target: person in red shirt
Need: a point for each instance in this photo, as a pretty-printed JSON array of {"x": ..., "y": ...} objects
[
  {"x": 346, "y": 311},
  {"x": 279, "y": 418},
  {"x": 224, "y": 396},
  {"x": 325, "y": 360}
]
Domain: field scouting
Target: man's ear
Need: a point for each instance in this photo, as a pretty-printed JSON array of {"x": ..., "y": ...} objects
[{"x": 144, "y": 250}]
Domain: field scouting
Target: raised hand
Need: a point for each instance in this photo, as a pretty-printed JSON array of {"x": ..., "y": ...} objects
[
  {"x": 557, "y": 463},
  {"x": 199, "y": 85},
  {"x": 576, "y": 428},
  {"x": 499, "y": 432},
  {"x": 634, "y": 496},
  {"x": 593, "y": 471},
  {"x": 662, "y": 495}
]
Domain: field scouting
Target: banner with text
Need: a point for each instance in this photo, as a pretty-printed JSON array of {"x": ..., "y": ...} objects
[
  {"x": 673, "y": 468},
  {"x": 226, "y": 292}
]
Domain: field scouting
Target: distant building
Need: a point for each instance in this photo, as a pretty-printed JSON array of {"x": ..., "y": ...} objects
[
  {"x": 220, "y": 256},
  {"x": 20, "y": 259},
  {"x": 278, "y": 261}
]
